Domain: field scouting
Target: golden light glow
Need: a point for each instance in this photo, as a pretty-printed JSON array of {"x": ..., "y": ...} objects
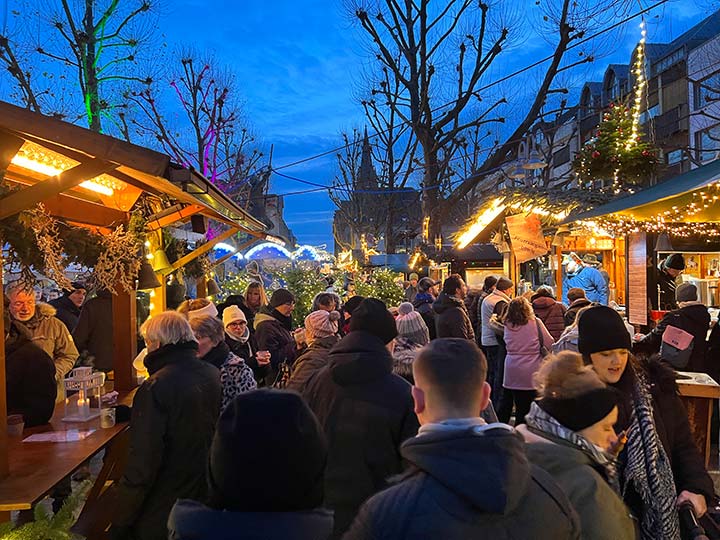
[
  {"x": 35, "y": 158},
  {"x": 484, "y": 219},
  {"x": 640, "y": 85}
]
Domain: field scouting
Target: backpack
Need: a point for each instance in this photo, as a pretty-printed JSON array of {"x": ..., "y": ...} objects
[{"x": 676, "y": 347}]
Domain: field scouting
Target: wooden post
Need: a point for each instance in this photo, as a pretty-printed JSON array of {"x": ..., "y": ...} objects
[
  {"x": 201, "y": 287},
  {"x": 4, "y": 466},
  {"x": 559, "y": 274},
  {"x": 124, "y": 338},
  {"x": 158, "y": 297}
]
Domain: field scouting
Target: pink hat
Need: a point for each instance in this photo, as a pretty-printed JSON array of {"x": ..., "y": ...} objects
[{"x": 320, "y": 324}]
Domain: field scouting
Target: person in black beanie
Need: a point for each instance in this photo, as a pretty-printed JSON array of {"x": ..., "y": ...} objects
[
  {"x": 358, "y": 388},
  {"x": 347, "y": 311},
  {"x": 668, "y": 272},
  {"x": 273, "y": 333},
  {"x": 280, "y": 501},
  {"x": 660, "y": 466},
  {"x": 68, "y": 305},
  {"x": 569, "y": 433}
]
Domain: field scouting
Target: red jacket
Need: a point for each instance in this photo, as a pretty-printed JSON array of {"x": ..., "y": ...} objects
[{"x": 551, "y": 313}]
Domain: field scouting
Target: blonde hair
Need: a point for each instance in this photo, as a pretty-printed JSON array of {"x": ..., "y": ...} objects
[
  {"x": 167, "y": 328},
  {"x": 259, "y": 286},
  {"x": 564, "y": 375}
]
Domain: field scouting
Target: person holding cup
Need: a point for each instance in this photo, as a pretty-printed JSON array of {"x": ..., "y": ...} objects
[{"x": 242, "y": 342}]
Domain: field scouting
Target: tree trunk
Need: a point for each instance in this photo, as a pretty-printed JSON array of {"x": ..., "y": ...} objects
[
  {"x": 431, "y": 194},
  {"x": 92, "y": 96},
  {"x": 390, "y": 232}
]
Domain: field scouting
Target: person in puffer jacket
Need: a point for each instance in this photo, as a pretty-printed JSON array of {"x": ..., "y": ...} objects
[
  {"x": 549, "y": 311},
  {"x": 321, "y": 334},
  {"x": 468, "y": 479}
]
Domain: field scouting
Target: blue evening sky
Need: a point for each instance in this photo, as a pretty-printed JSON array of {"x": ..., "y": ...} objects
[{"x": 297, "y": 64}]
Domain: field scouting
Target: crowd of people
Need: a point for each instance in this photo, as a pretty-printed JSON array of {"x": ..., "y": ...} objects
[{"x": 366, "y": 422}]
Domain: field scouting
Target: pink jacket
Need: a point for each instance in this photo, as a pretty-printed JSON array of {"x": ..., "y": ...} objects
[{"x": 523, "y": 353}]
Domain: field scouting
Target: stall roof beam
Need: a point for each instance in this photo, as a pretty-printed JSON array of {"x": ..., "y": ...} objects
[
  {"x": 179, "y": 214},
  {"x": 195, "y": 253},
  {"x": 28, "y": 197},
  {"x": 659, "y": 198}
]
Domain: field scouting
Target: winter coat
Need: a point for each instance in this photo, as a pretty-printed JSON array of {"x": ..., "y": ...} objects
[
  {"x": 239, "y": 301},
  {"x": 310, "y": 362},
  {"x": 404, "y": 354},
  {"x": 472, "y": 300},
  {"x": 191, "y": 520},
  {"x": 474, "y": 483},
  {"x": 671, "y": 422},
  {"x": 451, "y": 318},
  {"x": 173, "y": 421},
  {"x": 667, "y": 286},
  {"x": 366, "y": 412},
  {"x": 551, "y": 313},
  {"x": 423, "y": 305},
  {"x": 591, "y": 281},
  {"x": 272, "y": 333},
  {"x": 694, "y": 319},
  {"x": 568, "y": 341},
  {"x": 66, "y": 311},
  {"x": 94, "y": 330},
  {"x": 712, "y": 357},
  {"x": 48, "y": 333},
  {"x": 236, "y": 377},
  {"x": 572, "y": 311},
  {"x": 410, "y": 293},
  {"x": 523, "y": 356},
  {"x": 487, "y": 308},
  {"x": 29, "y": 379},
  {"x": 585, "y": 484},
  {"x": 247, "y": 351}
]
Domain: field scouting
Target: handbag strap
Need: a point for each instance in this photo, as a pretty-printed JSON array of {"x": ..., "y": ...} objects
[{"x": 541, "y": 345}]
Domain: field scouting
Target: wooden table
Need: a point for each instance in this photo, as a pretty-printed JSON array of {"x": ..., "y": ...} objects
[
  {"x": 37, "y": 467},
  {"x": 697, "y": 392}
]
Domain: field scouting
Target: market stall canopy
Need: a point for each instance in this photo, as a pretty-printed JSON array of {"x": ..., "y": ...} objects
[
  {"x": 95, "y": 179},
  {"x": 670, "y": 200}
]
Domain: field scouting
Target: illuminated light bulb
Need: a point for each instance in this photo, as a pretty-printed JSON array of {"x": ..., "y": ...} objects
[
  {"x": 97, "y": 188},
  {"x": 147, "y": 243}
]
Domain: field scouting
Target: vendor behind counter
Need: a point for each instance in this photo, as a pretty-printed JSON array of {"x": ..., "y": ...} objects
[{"x": 668, "y": 272}]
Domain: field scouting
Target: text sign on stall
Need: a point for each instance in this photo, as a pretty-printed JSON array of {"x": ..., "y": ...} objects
[
  {"x": 637, "y": 279},
  {"x": 526, "y": 237}
]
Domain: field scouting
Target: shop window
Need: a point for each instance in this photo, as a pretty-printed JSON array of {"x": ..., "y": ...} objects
[
  {"x": 673, "y": 157},
  {"x": 707, "y": 143},
  {"x": 707, "y": 91}
]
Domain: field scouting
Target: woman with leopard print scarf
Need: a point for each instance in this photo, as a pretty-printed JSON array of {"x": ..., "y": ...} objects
[{"x": 660, "y": 466}]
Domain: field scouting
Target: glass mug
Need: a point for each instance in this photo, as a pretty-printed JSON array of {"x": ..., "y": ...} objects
[{"x": 263, "y": 358}]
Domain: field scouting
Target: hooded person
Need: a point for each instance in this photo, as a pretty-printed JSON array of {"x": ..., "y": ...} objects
[
  {"x": 68, "y": 305},
  {"x": 321, "y": 334},
  {"x": 241, "y": 341},
  {"x": 577, "y": 301},
  {"x": 468, "y": 479},
  {"x": 273, "y": 332},
  {"x": 358, "y": 388},
  {"x": 667, "y": 274},
  {"x": 413, "y": 335},
  {"x": 691, "y": 316},
  {"x": 279, "y": 502},
  {"x": 549, "y": 311},
  {"x": 569, "y": 433},
  {"x": 660, "y": 466}
]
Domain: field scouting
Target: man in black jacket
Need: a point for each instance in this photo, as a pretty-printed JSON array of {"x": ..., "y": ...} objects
[
  {"x": 451, "y": 316},
  {"x": 692, "y": 317},
  {"x": 667, "y": 274},
  {"x": 68, "y": 305},
  {"x": 470, "y": 479},
  {"x": 171, "y": 429},
  {"x": 366, "y": 412}
]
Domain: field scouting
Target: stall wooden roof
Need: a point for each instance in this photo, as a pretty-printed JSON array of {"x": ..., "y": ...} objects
[
  {"x": 677, "y": 192},
  {"x": 145, "y": 169}
]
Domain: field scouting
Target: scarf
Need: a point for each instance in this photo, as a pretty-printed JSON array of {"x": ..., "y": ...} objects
[
  {"x": 241, "y": 338},
  {"x": 542, "y": 423},
  {"x": 218, "y": 354},
  {"x": 645, "y": 466}
]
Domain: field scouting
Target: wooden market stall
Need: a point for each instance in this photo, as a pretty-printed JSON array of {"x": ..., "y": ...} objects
[{"x": 93, "y": 180}]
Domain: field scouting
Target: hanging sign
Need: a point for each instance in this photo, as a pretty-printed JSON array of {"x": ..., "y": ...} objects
[{"x": 526, "y": 236}]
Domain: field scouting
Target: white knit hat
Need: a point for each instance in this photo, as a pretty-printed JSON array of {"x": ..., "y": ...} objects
[
  {"x": 233, "y": 313},
  {"x": 210, "y": 309}
]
